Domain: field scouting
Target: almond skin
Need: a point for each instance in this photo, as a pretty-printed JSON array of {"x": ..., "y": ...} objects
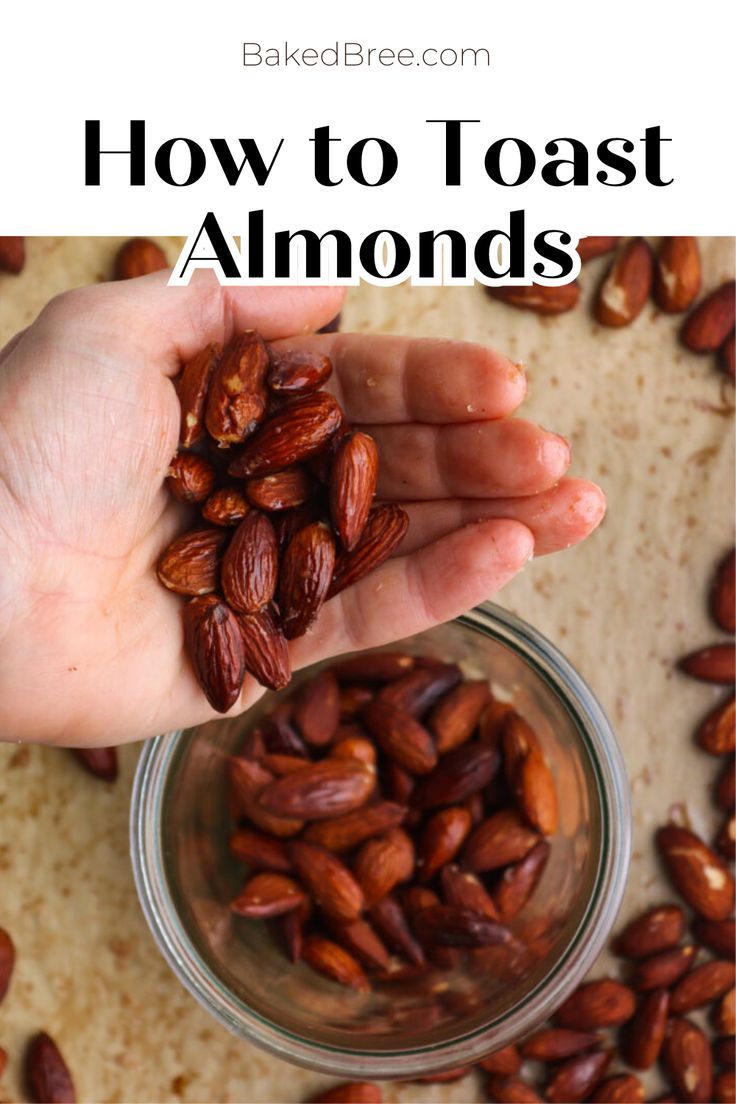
[
  {"x": 192, "y": 387},
  {"x": 718, "y": 935},
  {"x": 250, "y": 564},
  {"x": 575, "y": 1079},
  {"x": 383, "y": 532},
  {"x": 723, "y": 593},
  {"x": 100, "y": 762},
  {"x": 624, "y": 1089},
  {"x": 139, "y": 257},
  {"x": 306, "y": 574},
  {"x": 626, "y": 286},
  {"x": 708, "y": 326},
  {"x": 259, "y": 850},
  {"x": 552, "y": 1044},
  {"x": 442, "y": 837},
  {"x": 353, "y": 479},
  {"x": 724, "y": 1015},
  {"x": 700, "y": 876},
  {"x": 644, "y": 1035},
  {"x": 12, "y": 255},
  {"x": 297, "y": 371},
  {"x": 317, "y": 709},
  {"x": 602, "y": 1003},
  {"x": 190, "y": 478},
  {"x": 329, "y": 788},
  {"x": 702, "y": 985},
  {"x": 226, "y": 507},
  {"x": 461, "y": 773},
  {"x": 417, "y": 691},
  {"x": 677, "y": 274},
  {"x": 359, "y": 938},
  {"x": 292, "y": 435},
  {"x": 590, "y": 248},
  {"x": 450, "y": 926},
  {"x": 215, "y": 648},
  {"x": 190, "y": 565},
  {"x": 331, "y": 884},
  {"x": 501, "y": 839},
  {"x": 266, "y": 895},
  {"x": 518, "y": 740},
  {"x": 382, "y": 863},
  {"x": 509, "y": 1089},
  {"x": 518, "y": 882},
  {"x": 47, "y": 1077},
  {"x": 328, "y": 958},
  {"x": 689, "y": 1062},
  {"x": 717, "y": 732},
  {"x": 247, "y": 781},
  {"x": 390, "y": 919},
  {"x": 400, "y": 737},
  {"x": 465, "y": 890},
  {"x": 343, "y": 833},
  {"x": 714, "y": 664},
  {"x": 281, "y": 491},
  {"x": 353, "y": 747},
  {"x": 536, "y": 793},
  {"x": 455, "y": 717},
  {"x": 655, "y": 930},
  {"x": 236, "y": 400},
  {"x": 374, "y": 667},
  {"x": 539, "y": 298},
  {"x": 265, "y": 648},
  {"x": 662, "y": 969},
  {"x": 7, "y": 962}
]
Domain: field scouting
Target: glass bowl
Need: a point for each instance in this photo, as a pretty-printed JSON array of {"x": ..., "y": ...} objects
[{"x": 185, "y": 879}]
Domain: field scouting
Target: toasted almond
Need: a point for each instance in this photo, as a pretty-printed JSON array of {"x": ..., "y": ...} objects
[
  {"x": 259, "y": 850},
  {"x": 576, "y": 1078},
  {"x": 317, "y": 709},
  {"x": 384, "y": 530},
  {"x": 400, "y": 736},
  {"x": 290, "y": 436},
  {"x": 724, "y": 1014},
  {"x": 331, "y": 884},
  {"x": 12, "y": 254},
  {"x": 353, "y": 480},
  {"x": 281, "y": 491},
  {"x": 190, "y": 477},
  {"x": 306, "y": 573},
  {"x": 226, "y": 507},
  {"x": 442, "y": 837},
  {"x": 100, "y": 762},
  {"x": 663, "y": 969},
  {"x": 623, "y": 1089},
  {"x": 601, "y": 1003},
  {"x": 536, "y": 792},
  {"x": 689, "y": 1061},
  {"x": 518, "y": 882},
  {"x": 714, "y": 664},
  {"x": 139, "y": 257},
  {"x": 354, "y": 747},
  {"x": 192, "y": 387},
  {"x": 462, "y": 772},
  {"x": 382, "y": 863},
  {"x": 702, "y": 985},
  {"x": 47, "y": 1076},
  {"x": 374, "y": 667},
  {"x": 297, "y": 371},
  {"x": 450, "y": 926},
  {"x": 350, "y": 1092},
  {"x": 359, "y": 938},
  {"x": 191, "y": 563},
  {"x": 266, "y": 895},
  {"x": 644, "y": 1035},
  {"x": 501, "y": 839},
  {"x": 465, "y": 890},
  {"x": 509, "y": 1089},
  {"x": 215, "y": 649},
  {"x": 677, "y": 274},
  {"x": 717, "y": 731},
  {"x": 655, "y": 930},
  {"x": 505, "y": 1061},
  {"x": 390, "y": 919},
  {"x": 236, "y": 399},
  {"x": 343, "y": 833},
  {"x": 552, "y": 1044},
  {"x": 718, "y": 935},
  {"x": 699, "y": 875},
  {"x": 250, "y": 564},
  {"x": 723, "y": 593},
  {"x": 538, "y": 298},
  {"x": 328, "y": 958},
  {"x": 625, "y": 288},
  {"x": 706, "y": 328},
  {"x": 417, "y": 691},
  {"x": 265, "y": 648},
  {"x": 329, "y": 788},
  {"x": 590, "y": 248},
  {"x": 7, "y": 961},
  {"x": 725, "y": 788},
  {"x": 455, "y": 717},
  {"x": 247, "y": 780}
]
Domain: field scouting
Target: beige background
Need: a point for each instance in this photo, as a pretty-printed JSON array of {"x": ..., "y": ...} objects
[{"x": 652, "y": 423}]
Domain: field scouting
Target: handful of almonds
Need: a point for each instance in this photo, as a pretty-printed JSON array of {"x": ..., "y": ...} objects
[{"x": 288, "y": 519}]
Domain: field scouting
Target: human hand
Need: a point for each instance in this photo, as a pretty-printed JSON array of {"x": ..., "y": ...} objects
[{"x": 90, "y": 644}]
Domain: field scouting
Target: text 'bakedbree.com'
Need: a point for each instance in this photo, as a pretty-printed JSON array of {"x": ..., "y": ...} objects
[{"x": 355, "y": 54}]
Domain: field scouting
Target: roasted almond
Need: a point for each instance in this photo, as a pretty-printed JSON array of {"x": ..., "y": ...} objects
[
  {"x": 331, "y": 884},
  {"x": 139, "y": 257},
  {"x": 226, "y": 506},
  {"x": 390, "y": 919},
  {"x": 725, "y": 841},
  {"x": 442, "y": 837},
  {"x": 329, "y": 788},
  {"x": 465, "y": 890},
  {"x": 724, "y": 1014},
  {"x": 259, "y": 850},
  {"x": 700, "y": 876},
  {"x": 677, "y": 274},
  {"x": 552, "y": 1044},
  {"x": 708, "y": 326},
  {"x": 536, "y": 793},
  {"x": 501, "y": 839},
  {"x": 281, "y": 491},
  {"x": 353, "y": 747},
  {"x": 236, "y": 400},
  {"x": 724, "y": 1087},
  {"x": 509, "y": 1089},
  {"x": 725, "y": 788},
  {"x": 350, "y": 1092},
  {"x": 191, "y": 563},
  {"x": 250, "y": 564},
  {"x": 288, "y": 930},
  {"x": 462, "y": 772},
  {"x": 265, "y": 647},
  {"x": 662, "y": 969},
  {"x": 718, "y": 935},
  {"x": 590, "y": 248},
  {"x": 717, "y": 732},
  {"x": 655, "y": 930},
  {"x": 266, "y": 895},
  {"x": 723, "y": 593},
  {"x": 714, "y": 664},
  {"x": 450, "y": 926},
  {"x": 517, "y": 739},
  {"x": 689, "y": 1062},
  {"x": 507, "y": 1060},
  {"x": 359, "y": 938},
  {"x": 518, "y": 882},
  {"x": 192, "y": 387},
  {"x": 297, "y": 371},
  {"x": 317, "y": 709},
  {"x": 400, "y": 736},
  {"x": 539, "y": 298},
  {"x": 382, "y": 863},
  {"x": 279, "y": 765},
  {"x": 417, "y": 691},
  {"x": 215, "y": 649},
  {"x": 576, "y": 1078},
  {"x": 328, "y": 958},
  {"x": 353, "y": 478},
  {"x": 247, "y": 781},
  {"x": 625, "y": 288},
  {"x": 623, "y": 1089},
  {"x": 306, "y": 573},
  {"x": 7, "y": 961},
  {"x": 47, "y": 1077},
  {"x": 343, "y": 833},
  {"x": 12, "y": 255},
  {"x": 190, "y": 477},
  {"x": 374, "y": 667},
  {"x": 642, "y": 1039},
  {"x": 279, "y": 735},
  {"x": 290, "y": 436},
  {"x": 100, "y": 762},
  {"x": 455, "y": 717},
  {"x": 602, "y": 1003},
  {"x": 352, "y": 700},
  {"x": 385, "y": 529},
  {"x": 702, "y": 985}
]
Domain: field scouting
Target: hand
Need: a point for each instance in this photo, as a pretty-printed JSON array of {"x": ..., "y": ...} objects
[{"x": 90, "y": 643}]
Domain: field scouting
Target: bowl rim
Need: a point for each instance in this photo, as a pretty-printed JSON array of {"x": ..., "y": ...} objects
[{"x": 608, "y": 769}]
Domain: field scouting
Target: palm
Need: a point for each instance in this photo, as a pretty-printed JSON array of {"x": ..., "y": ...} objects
[{"x": 88, "y": 423}]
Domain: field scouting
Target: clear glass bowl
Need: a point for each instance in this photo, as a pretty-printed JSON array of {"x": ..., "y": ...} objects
[{"x": 185, "y": 879}]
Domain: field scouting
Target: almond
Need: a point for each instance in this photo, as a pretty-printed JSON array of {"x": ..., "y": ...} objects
[
  {"x": 329, "y": 788},
  {"x": 708, "y": 326},
  {"x": 662, "y": 969},
  {"x": 644, "y": 1035},
  {"x": 190, "y": 478},
  {"x": 47, "y": 1077},
  {"x": 508, "y": 1089},
  {"x": 466, "y": 891},
  {"x": 265, "y": 648},
  {"x": 398, "y": 783},
  {"x": 501, "y": 839},
  {"x": 334, "y": 962},
  {"x": 602, "y": 1003},
  {"x": 7, "y": 962},
  {"x": 279, "y": 765},
  {"x": 190, "y": 564},
  {"x": 455, "y": 717},
  {"x": 624, "y": 1089},
  {"x": 717, "y": 732},
  {"x": 100, "y": 762},
  {"x": 317, "y": 709},
  {"x": 536, "y": 793},
  {"x": 353, "y": 479},
  {"x": 247, "y": 780},
  {"x": 389, "y": 918},
  {"x": 590, "y": 248},
  {"x": 226, "y": 507},
  {"x": 724, "y": 1087},
  {"x": 353, "y": 747},
  {"x": 576, "y": 1078},
  {"x": 552, "y": 1044},
  {"x": 725, "y": 789},
  {"x": 417, "y": 691},
  {"x": 352, "y": 700},
  {"x": 236, "y": 401},
  {"x": 655, "y": 930},
  {"x": 12, "y": 255},
  {"x": 399, "y": 736},
  {"x": 281, "y": 491},
  {"x": 539, "y": 298},
  {"x": 359, "y": 938},
  {"x": 677, "y": 274},
  {"x": 518, "y": 739},
  {"x": 727, "y": 358},
  {"x": 139, "y": 257},
  {"x": 699, "y": 875},
  {"x": 724, "y": 1052},
  {"x": 718, "y": 935},
  {"x": 279, "y": 735},
  {"x": 266, "y": 895},
  {"x": 343, "y": 833},
  {"x": 384, "y": 531},
  {"x": 723, "y": 593},
  {"x": 518, "y": 882},
  {"x": 714, "y": 664},
  {"x": 382, "y": 863},
  {"x": 250, "y": 564},
  {"x": 702, "y": 985},
  {"x": 290, "y": 436},
  {"x": 374, "y": 667},
  {"x": 689, "y": 1062},
  {"x": 297, "y": 371},
  {"x": 288, "y": 930},
  {"x": 331, "y": 884},
  {"x": 450, "y": 926},
  {"x": 724, "y": 1015},
  {"x": 492, "y": 721},
  {"x": 306, "y": 574},
  {"x": 259, "y": 851},
  {"x": 507, "y": 1060},
  {"x": 626, "y": 286},
  {"x": 350, "y": 1092},
  {"x": 442, "y": 837},
  {"x": 725, "y": 841},
  {"x": 192, "y": 387},
  {"x": 215, "y": 648},
  {"x": 461, "y": 772},
  {"x": 288, "y": 523}
]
